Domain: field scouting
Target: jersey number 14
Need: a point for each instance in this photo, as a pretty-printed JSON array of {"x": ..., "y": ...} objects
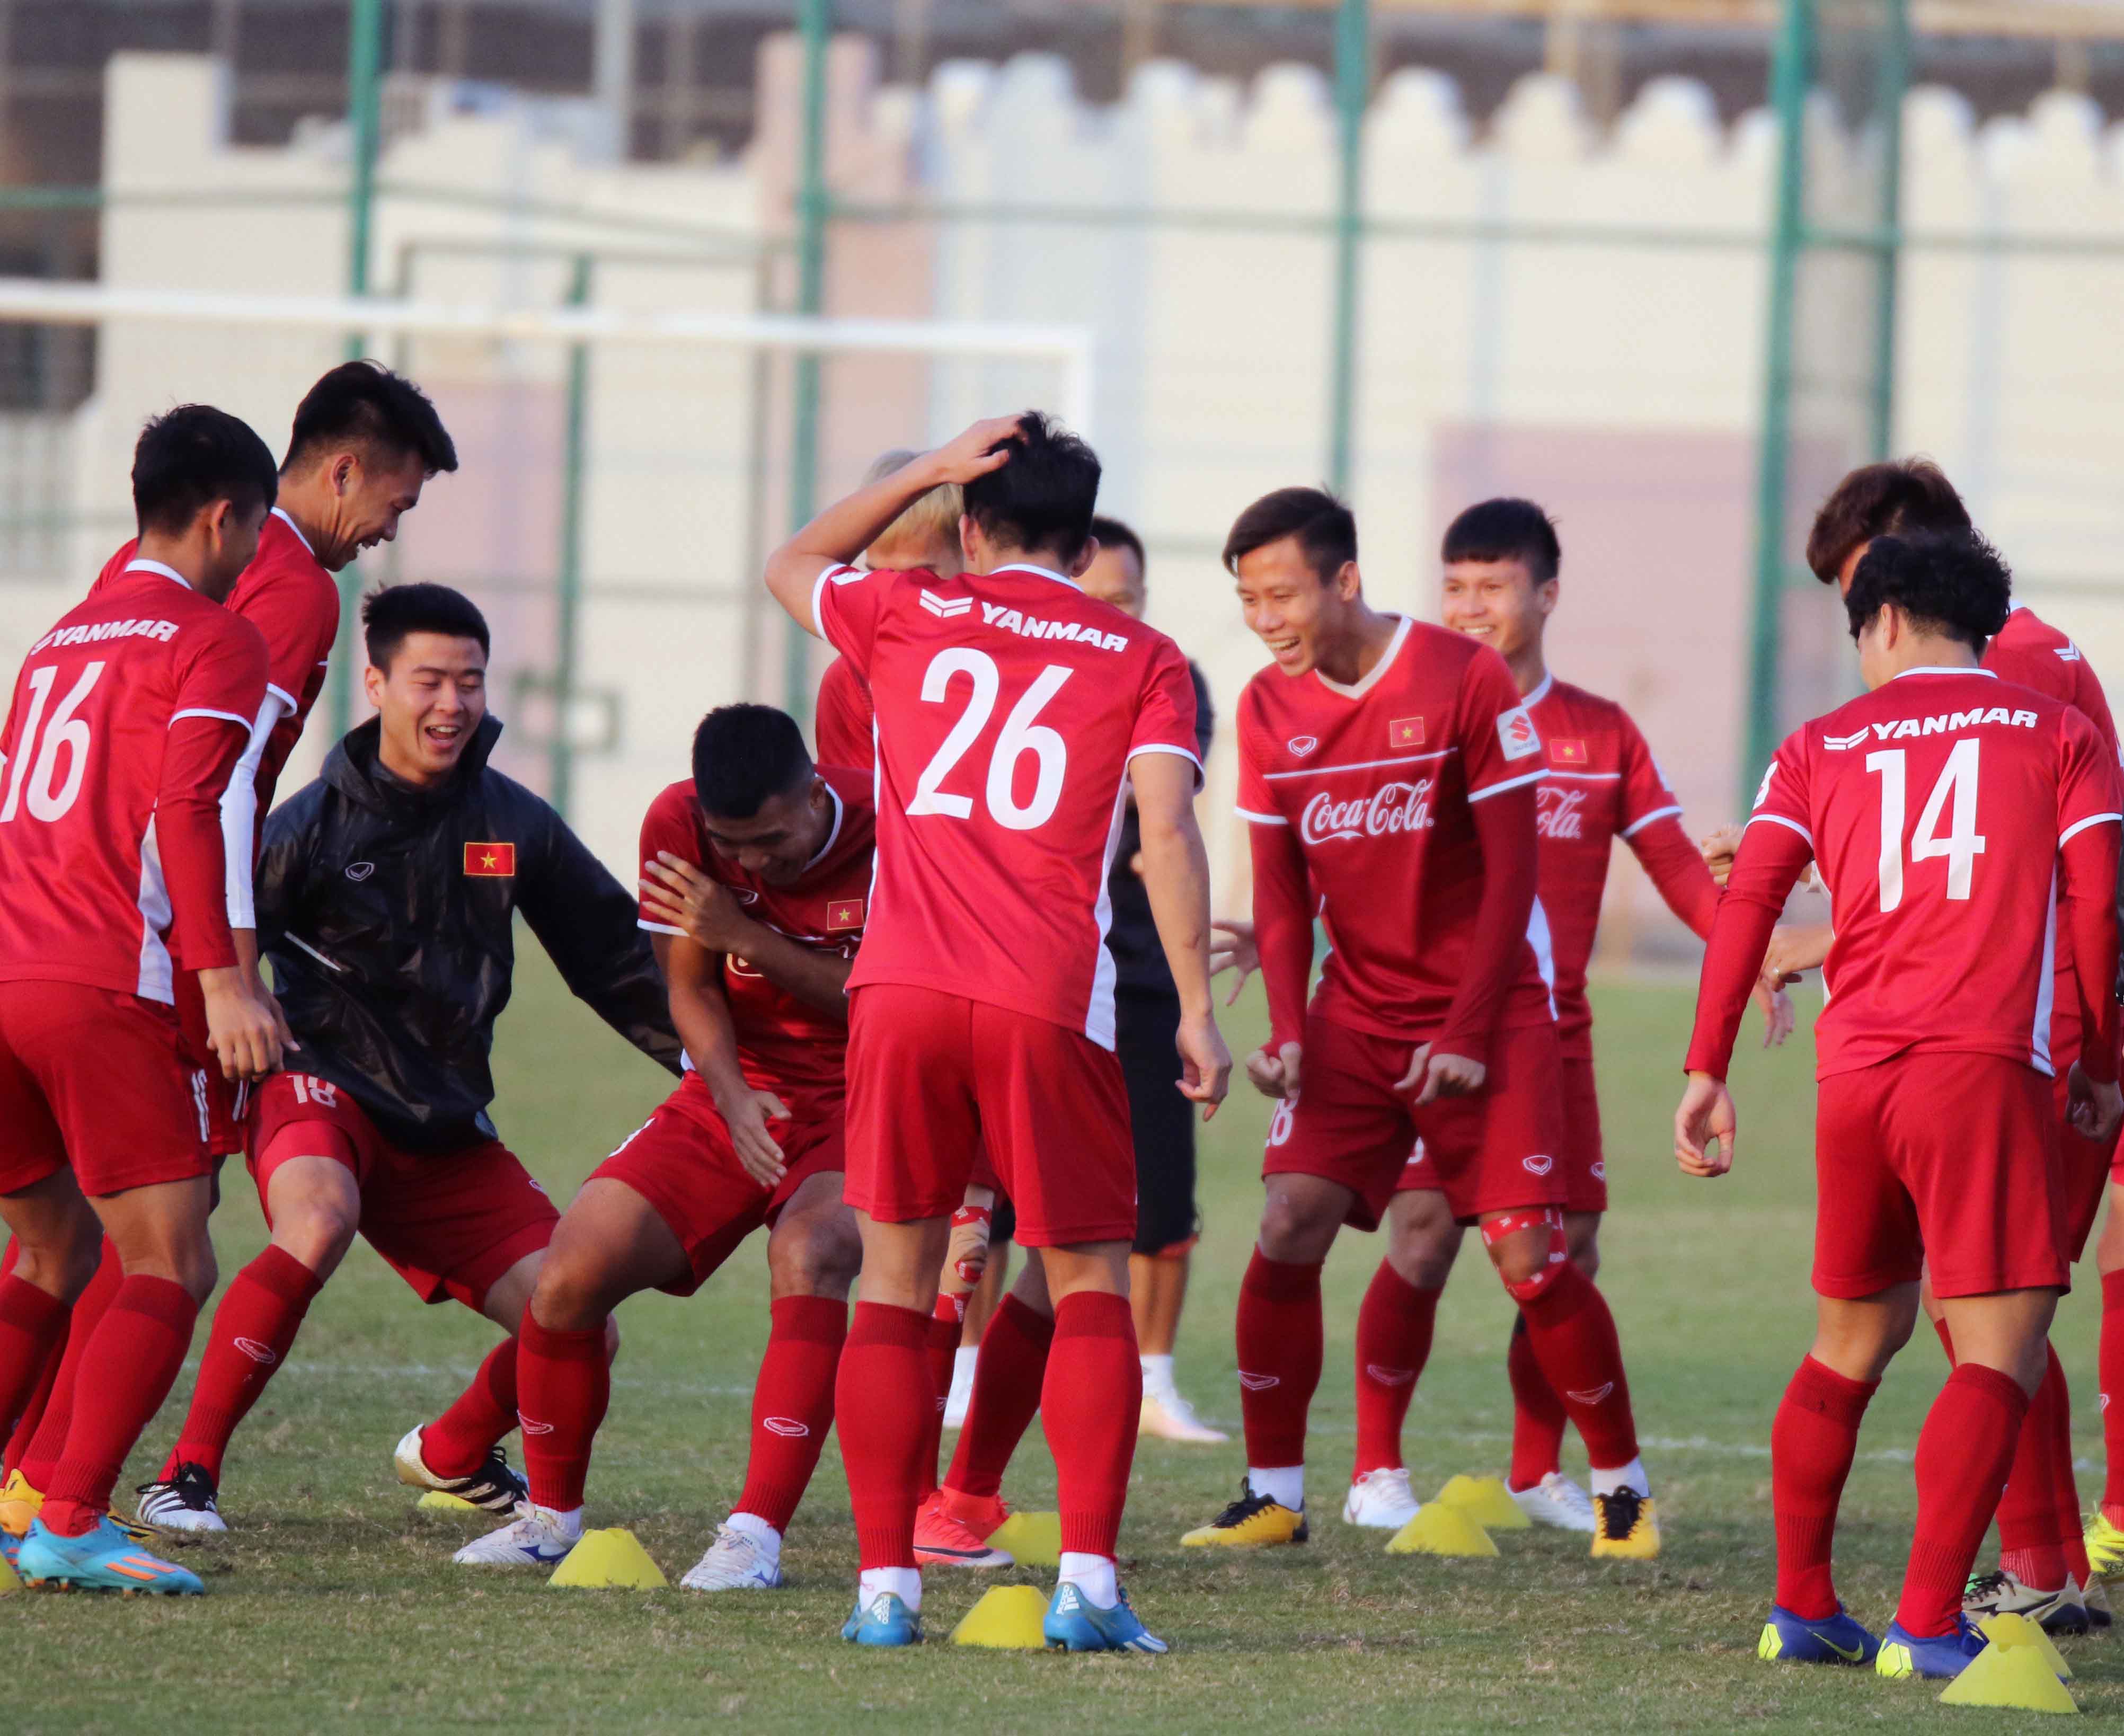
[{"x": 1963, "y": 843}]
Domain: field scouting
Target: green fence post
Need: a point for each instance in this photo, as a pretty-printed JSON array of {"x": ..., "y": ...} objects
[
  {"x": 561, "y": 749},
  {"x": 815, "y": 19},
  {"x": 1353, "y": 80},
  {"x": 1892, "y": 79}
]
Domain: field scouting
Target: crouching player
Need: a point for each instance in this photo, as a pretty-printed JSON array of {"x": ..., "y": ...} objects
[
  {"x": 756, "y": 879},
  {"x": 1967, "y": 828}
]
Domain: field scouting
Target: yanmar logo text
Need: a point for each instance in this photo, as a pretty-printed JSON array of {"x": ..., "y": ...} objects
[
  {"x": 96, "y": 632},
  {"x": 1941, "y": 723},
  {"x": 1392, "y": 808},
  {"x": 1030, "y": 626}
]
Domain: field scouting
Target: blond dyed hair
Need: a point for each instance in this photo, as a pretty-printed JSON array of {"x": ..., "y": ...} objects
[{"x": 932, "y": 522}]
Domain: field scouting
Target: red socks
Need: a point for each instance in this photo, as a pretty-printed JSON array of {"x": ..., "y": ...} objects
[
  {"x": 1573, "y": 1336},
  {"x": 41, "y": 1437},
  {"x": 1090, "y": 1405},
  {"x": 1008, "y": 1377},
  {"x": 1963, "y": 1453},
  {"x": 33, "y": 1326},
  {"x": 566, "y": 1380},
  {"x": 252, "y": 1328},
  {"x": 1394, "y": 1342},
  {"x": 127, "y": 1369},
  {"x": 945, "y": 1325},
  {"x": 1538, "y": 1416},
  {"x": 1811, "y": 1445},
  {"x": 2111, "y": 1367},
  {"x": 1279, "y": 1340},
  {"x": 2031, "y": 1543},
  {"x": 792, "y": 1406},
  {"x": 884, "y": 1379},
  {"x": 457, "y": 1442}
]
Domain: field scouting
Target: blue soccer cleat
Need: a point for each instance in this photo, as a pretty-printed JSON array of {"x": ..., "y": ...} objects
[
  {"x": 1790, "y": 1638},
  {"x": 1074, "y": 1623},
  {"x": 1939, "y": 1659},
  {"x": 886, "y": 1620},
  {"x": 10, "y": 1545},
  {"x": 103, "y": 1559}
]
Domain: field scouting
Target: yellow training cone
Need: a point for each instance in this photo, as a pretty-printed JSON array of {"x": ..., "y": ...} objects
[
  {"x": 1034, "y": 1539},
  {"x": 2015, "y": 1676},
  {"x": 2009, "y": 1631},
  {"x": 436, "y": 1500},
  {"x": 1487, "y": 1501},
  {"x": 1007, "y": 1617},
  {"x": 609, "y": 1558},
  {"x": 9, "y": 1580},
  {"x": 1440, "y": 1530}
]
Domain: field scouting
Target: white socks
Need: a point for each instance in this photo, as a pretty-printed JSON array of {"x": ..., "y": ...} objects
[
  {"x": 752, "y": 1526},
  {"x": 1285, "y": 1484},
  {"x": 1631, "y": 1475},
  {"x": 903, "y": 1582},
  {"x": 1157, "y": 1375},
  {"x": 1093, "y": 1577},
  {"x": 569, "y": 1523}
]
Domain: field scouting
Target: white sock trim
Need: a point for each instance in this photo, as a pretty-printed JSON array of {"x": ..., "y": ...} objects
[
  {"x": 1093, "y": 1576},
  {"x": 903, "y": 1582},
  {"x": 1631, "y": 1475},
  {"x": 752, "y": 1526},
  {"x": 1283, "y": 1484}
]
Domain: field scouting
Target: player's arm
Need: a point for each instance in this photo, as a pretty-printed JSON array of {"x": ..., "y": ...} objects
[
  {"x": 1674, "y": 865},
  {"x": 701, "y": 1013},
  {"x": 1176, "y": 874},
  {"x": 2089, "y": 848},
  {"x": 680, "y": 895},
  {"x": 850, "y": 525}
]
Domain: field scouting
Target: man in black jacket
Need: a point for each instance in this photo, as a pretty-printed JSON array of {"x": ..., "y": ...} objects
[{"x": 385, "y": 896}]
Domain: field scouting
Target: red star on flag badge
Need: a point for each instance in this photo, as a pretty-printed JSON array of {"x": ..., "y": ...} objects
[
  {"x": 847, "y": 913},
  {"x": 490, "y": 861},
  {"x": 1564, "y": 752},
  {"x": 1405, "y": 732}
]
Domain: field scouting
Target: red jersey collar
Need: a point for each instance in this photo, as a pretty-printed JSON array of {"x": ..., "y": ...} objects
[{"x": 1370, "y": 678}]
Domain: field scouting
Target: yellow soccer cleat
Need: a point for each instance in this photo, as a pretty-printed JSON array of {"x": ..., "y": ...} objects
[
  {"x": 2104, "y": 1542},
  {"x": 1625, "y": 1526},
  {"x": 1252, "y": 1522},
  {"x": 19, "y": 1504}
]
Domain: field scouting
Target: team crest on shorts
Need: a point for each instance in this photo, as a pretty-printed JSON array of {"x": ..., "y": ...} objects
[
  {"x": 1538, "y": 1165},
  {"x": 490, "y": 861}
]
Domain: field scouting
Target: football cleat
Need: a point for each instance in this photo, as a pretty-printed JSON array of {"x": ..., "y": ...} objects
[
  {"x": 102, "y": 1560},
  {"x": 1626, "y": 1526},
  {"x": 185, "y": 1502},
  {"x": 1074, "y": 1623},
  {"x": 2002, "y": 1594},
  {"x": 886, "y": 1620},
  {"x": 982, "y": 1515},
  {"x": 19, "y": 1504},
  {"x": 941, "y": 1540},
  {"x": 10, "y": 1546},
  {"x": 1790, "y": 1638},
  {"x": 535, "y": 1538},
  {"x": 1167, "y": 1416},
  {"x": 1555, "y": 1500},
  {"x": 2104, "y": 1543},
  {"x": 735, "y": 1562},
  {"x": 494, "y": 1486},
  {"x": 1252, "y": 1522},
  {"x": 1940, "y": 1658},
  {"x": 1381, "y": 1500},
  {"x": 2096, "y": 1596}
]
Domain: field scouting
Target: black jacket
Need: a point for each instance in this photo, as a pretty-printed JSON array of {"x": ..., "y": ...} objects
[
  {"x": 386, "y": 911},
  {"x": 1139, "y": 966}
]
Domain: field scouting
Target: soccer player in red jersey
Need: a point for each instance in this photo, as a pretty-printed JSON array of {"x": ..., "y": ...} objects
[
  {"x": 756, "y": 878},
  {"x": 1014, "y": 716},
  {"x": 1389, "y": 769},
  {"x": 363, "y": 443},
  {"x": 1600, "y": 783},
  {"x": 128, "y": 724},
  {"x": 1968, "y": 829}
]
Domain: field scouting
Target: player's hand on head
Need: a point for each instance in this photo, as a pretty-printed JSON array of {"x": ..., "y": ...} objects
[
  {"x": 984, "y": 447},
  {"x": 1704, "y": 1127},
  {"x": 1719, "y": 849},
  {"x": 1232, "y": 948},
  {"x": 675, "y": 892},
  {"x": 2095, "y": 1111},
  {"x": 1433, "y": 1073},
  {"x": 1205, "y": 1063}
]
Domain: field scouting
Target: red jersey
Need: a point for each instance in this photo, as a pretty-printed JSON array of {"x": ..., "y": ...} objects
[
  {"x": 1935, "y": 806},
  {"x": 1376, "y": 780},
  {"x": 1008, "y": 706},
  {"x": 127, "y": 723},
  {"x": 2029, "y": 650},
  {"x": 1601, "y": 783},
  {"x": 293, "y": 602},
  {"x": 784, "y": 1044},
  {"x": 840, "y": 721}
]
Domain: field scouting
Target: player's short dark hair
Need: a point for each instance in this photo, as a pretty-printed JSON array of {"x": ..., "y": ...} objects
[
  {"x": 1875, "y": 499},
  {"x": 390, "y": 615},
  {"x": 363, "y": 404},
  {"x": 193, "y": 455},
  {"x": 1326, "y": 529},
  {"x": 1506, "y": 529},
  {"x": 1949, "y": 582},
  {"x": 744, "y": 756},
  {"x": 1112, "y": 533},
  {"x": 1043, "y": 497}
]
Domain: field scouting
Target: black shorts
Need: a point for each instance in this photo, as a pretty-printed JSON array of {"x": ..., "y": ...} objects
[{"x": 1145, "y": 1028}]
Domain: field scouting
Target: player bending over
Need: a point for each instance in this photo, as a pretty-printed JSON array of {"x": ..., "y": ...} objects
[
  {"x": 756, "y": 871},
  {"x": 1967, "y": 826},
  {"x": 1389, "y": 770},
  {"x": 1013, "y": 714},
  {"x": 386, "y": 891},
  {"x": 126, "y": 732}
]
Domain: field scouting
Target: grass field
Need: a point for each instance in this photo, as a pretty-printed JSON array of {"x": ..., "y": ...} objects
[{"x": 334, "y": 1607}]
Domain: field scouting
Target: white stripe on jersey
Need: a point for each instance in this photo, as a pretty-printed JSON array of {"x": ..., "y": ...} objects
[
  {"x": 239, "y": 812},
  {"x": 157, "y": 979},
  {"x": 1099, "y": 1016},
  {"x": 2039, "y": 1050}
]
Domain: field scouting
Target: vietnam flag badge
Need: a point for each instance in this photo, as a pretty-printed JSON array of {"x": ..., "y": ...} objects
[
  {"x": 844, "y": 913},
  {"x": 1562, "y": 751},
  {"x": 490, "y": 861},
  {"x": 1405, "y": 732}
]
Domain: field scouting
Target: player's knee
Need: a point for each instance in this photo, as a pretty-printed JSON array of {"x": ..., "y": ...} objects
[
  {"x": 820, "y": 1258},
  {"x": 573, "y": 1293},
  {"x": 1295, "y": 1229},
  {"x": 1528, "y": 1251},
  {"x": 1422, "y": 1246}
]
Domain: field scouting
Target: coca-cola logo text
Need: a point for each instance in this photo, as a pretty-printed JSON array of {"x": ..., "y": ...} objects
[
  {"x": 1560, "y": 813},
  {"x": 1393, "y": 807}
]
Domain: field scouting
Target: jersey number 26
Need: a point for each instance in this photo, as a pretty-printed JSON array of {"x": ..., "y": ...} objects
[{"x": 1021, "y": 734}]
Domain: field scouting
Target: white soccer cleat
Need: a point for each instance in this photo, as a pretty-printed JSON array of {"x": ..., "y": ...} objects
[
  {"x": 1169, "y": 1417},
  {"x": 734, "y": 1562},
  {"x": 961, "y": 1394},
  {"x": 2002, "y": 1593},
  {"x": 492, "y": 1486},
  {"x": 535, "y": 1539},
  {"x": 1555, "y": 1500},
  {"x": 1380, "y": 1500},
  {"x": 184, "y": 1502}
]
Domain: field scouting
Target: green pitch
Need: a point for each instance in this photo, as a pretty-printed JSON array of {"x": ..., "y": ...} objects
[{"x": 333, "y": 1605}]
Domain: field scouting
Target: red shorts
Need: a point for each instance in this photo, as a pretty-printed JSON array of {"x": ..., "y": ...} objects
[
  {"x": 1491, "y": 1151},
  {"x": 449, "y": 1223},
  {"x": 1578, "y": 1151},
  {"x": 1944, "y": 1164},
  {"x": 681, "y": 1161},
  {"x": 2086, "y": 1169},
  {"x": 932, "y": 1076},
  {"x": 226, "y": 1099},
  {"x": 99, "y": 1082}
]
